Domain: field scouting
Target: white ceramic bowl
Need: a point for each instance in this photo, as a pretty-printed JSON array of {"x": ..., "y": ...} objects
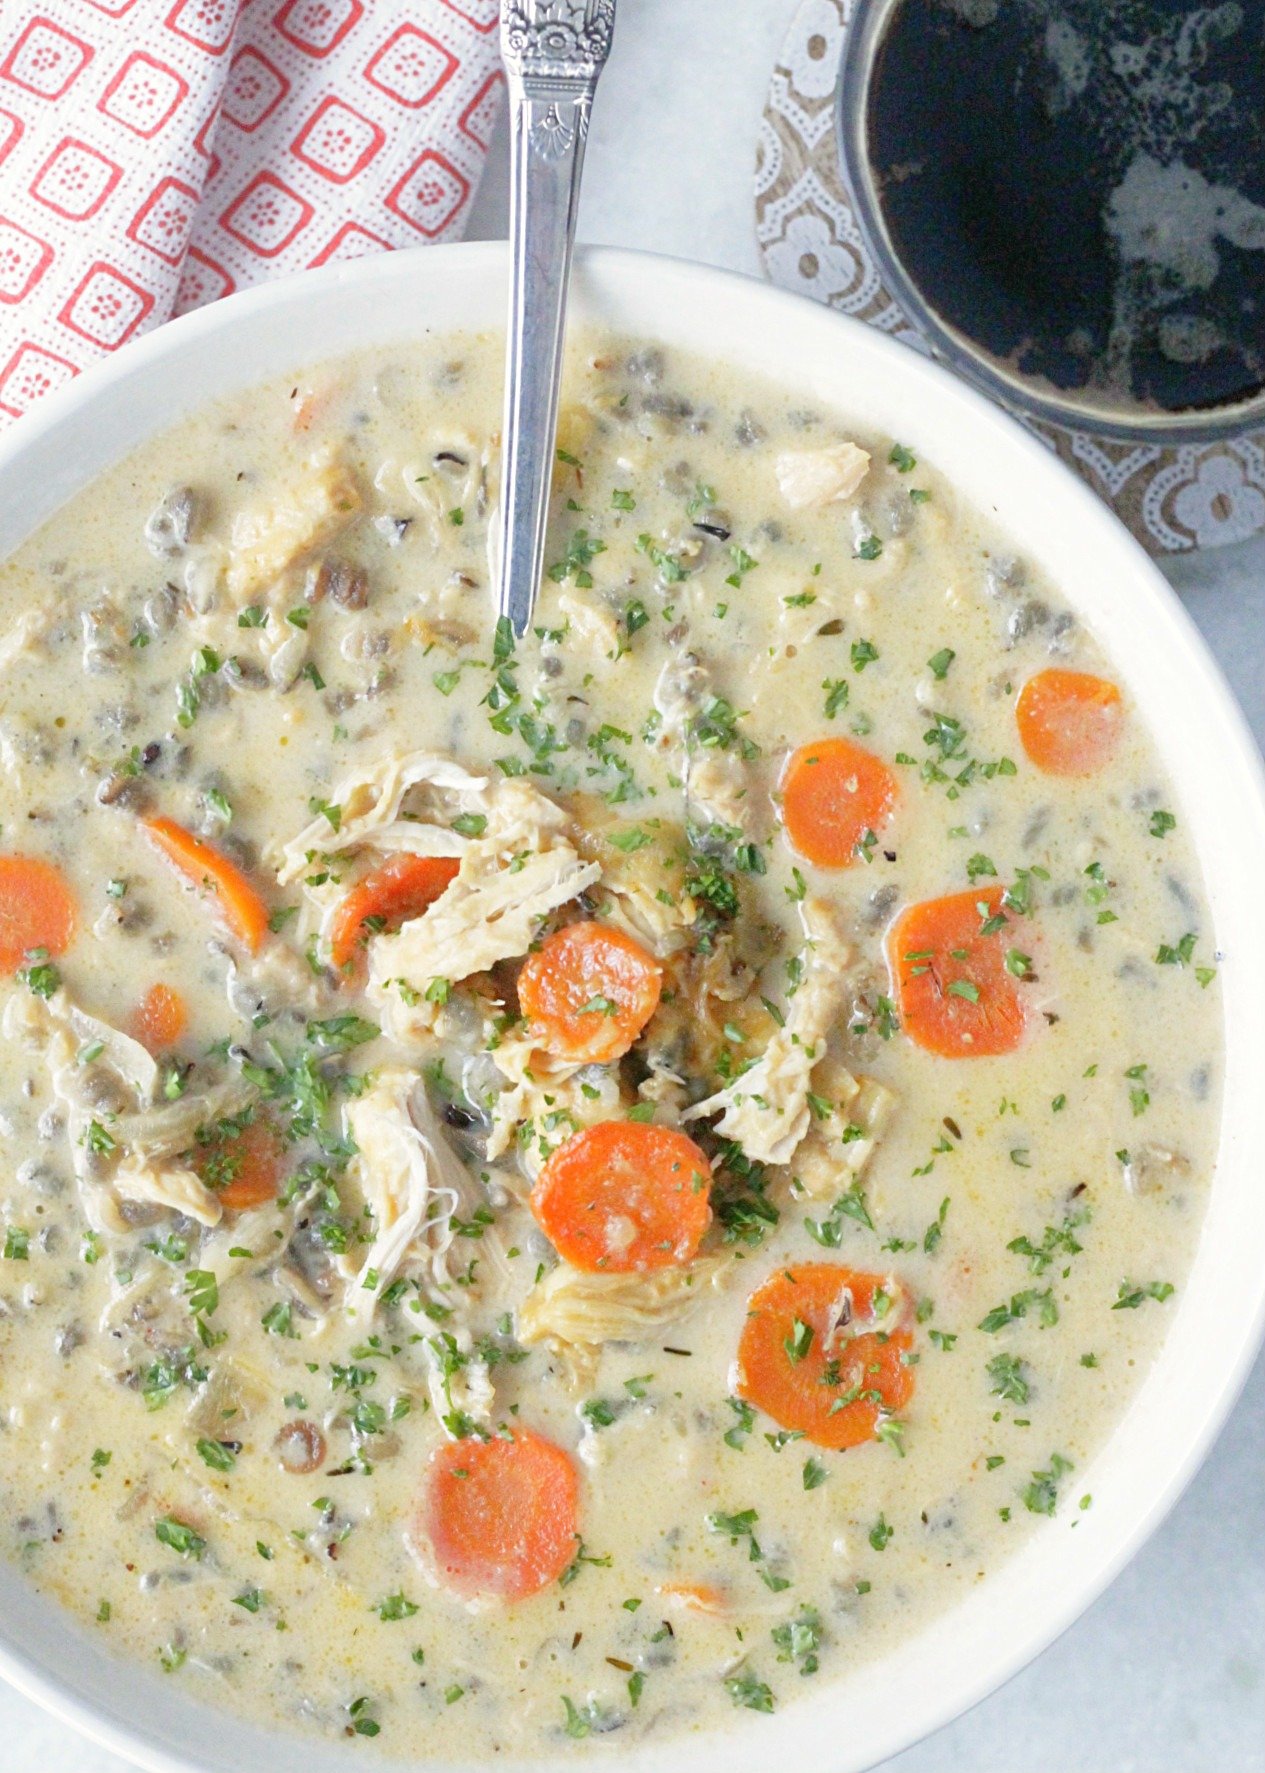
[{"x": 849, "y": 1723}]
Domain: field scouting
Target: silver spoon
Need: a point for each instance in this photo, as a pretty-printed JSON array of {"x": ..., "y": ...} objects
[{"x": 554, "y": 51}]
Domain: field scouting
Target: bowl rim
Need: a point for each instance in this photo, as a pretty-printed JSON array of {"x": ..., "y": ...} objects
[
  {"x": 1023, "y": 395},
  {"x": 742, "y": 314}
]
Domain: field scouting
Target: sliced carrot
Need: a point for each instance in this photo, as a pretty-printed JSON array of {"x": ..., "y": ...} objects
[
  {"x": 242, "y": 1164},
  {"x": 498, "y": 1518},
  {"x": 956, "y": 994},
  {"x": 400, "y": 889},
  {"x": 697, "y": 1597},
  {"x": 309, "y": 404},
  {"x": 1069, "y": 722},
  {"x": 37, "y": 910},
  {"x": 160, "y": 1019},
  {"x": 810, "y": 1354},
  {"x": 239, "y": 904},
  {"x": 588, "y": 992},
  {"x": 624, "y": 1195},
  {"x": 833, "y": 794}
]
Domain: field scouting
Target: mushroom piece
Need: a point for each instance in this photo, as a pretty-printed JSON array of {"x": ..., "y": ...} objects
[
  {"x": 170, "y": 524},
  {"x": 300, "y": 1447}
]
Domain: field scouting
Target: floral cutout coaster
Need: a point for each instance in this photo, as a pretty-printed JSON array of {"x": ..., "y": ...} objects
[{"x": 1172, "y": 497}]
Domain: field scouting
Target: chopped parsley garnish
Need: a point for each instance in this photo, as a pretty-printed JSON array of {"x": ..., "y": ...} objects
[
  {"x": 1042, "y": 1302},
  {"x": 1041, "y": 1496},
  {"x": 745, "y": 1689},
  {"x": 180, "y": 1537},
  {"x": 880, "y": 1534},
  {"x": 582, "y": 550},
  {"x": 1008, "y": 1376},
  {"x": 1130, "y": 1297}
]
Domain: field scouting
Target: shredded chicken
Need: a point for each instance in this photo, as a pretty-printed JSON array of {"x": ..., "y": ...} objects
[
  {"x": 488, "y": 913},
  {"x": 274, "y": 983},
  {"x": 399, "y": 802},
  {"x": 412, "y": 1181},
  {"x": 460, "y": 1391},
  {"x": 718, "y": 790},
  {"x": 163, "y": 1130},
  {"x": 715, "y": 782},
  {"x": 643, "y": 883},
  {"x": 26, "y": 633},
  {"x": 661, "y": 927},
  {"x": 666, "y": 1090},
  {"x": 133, "y": 1160},
  {"x": 821, "y": 476},
  {"x": 590, "y": 623},
  {"x": 285, "y": 528},
  {"x": 133, "y": 1062},
  {"x": 766, "y": 1108},
  {"x": 521, "y": 865},
  {"x": 170, "y": 1186},
  {"x": 831, "y": 1155},
  {"x": 575, "y": 1313},
  {"x": 545, "y": 1099}
]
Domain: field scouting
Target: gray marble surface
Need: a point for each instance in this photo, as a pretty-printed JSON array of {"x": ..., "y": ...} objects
[{"x": 1166, "y": 1672}]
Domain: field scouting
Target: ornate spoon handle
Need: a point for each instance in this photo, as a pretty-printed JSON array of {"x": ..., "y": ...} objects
[{"x": 554, "y": 51}]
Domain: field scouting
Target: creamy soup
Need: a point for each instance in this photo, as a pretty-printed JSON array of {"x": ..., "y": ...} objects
[{"x": 576, "y": 1189}]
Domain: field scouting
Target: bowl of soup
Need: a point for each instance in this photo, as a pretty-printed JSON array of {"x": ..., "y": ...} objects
[{"x": 680, "y": 1190}]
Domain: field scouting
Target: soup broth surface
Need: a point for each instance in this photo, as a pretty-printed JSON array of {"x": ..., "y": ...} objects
[{"x": 330, "y": 919}]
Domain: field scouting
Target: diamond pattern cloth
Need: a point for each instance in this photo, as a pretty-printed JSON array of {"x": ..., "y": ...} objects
[{"x": 159, "y": 154}]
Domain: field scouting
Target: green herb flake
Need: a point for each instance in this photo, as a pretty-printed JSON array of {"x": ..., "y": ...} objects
[
  {"x": 880, "y": 1534},
  {"x": 746, "y": 1690},
  {"x": 179, "y": 1537},
  {"x": 219, "y": 1455},
  {"x": 1129, "y": 1296},
  {"x": 1041, "y": 1496},
  {"x": 396, "y": 1606}
]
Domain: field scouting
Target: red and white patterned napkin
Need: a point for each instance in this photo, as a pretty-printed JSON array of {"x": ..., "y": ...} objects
[{"x": 159, "y": 154}]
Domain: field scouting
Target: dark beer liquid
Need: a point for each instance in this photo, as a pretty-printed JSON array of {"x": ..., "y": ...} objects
[{"x": 1079, "y": 187}]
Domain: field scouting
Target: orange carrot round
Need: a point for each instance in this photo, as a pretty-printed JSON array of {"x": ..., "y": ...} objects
[
  {"x": 160, "y": 1019},
  {"x": 588, "y": 992},
  {"x": 624, "y": 1195},
  {"x": 955, "y": 993},
  {"x": 497, "y": 1519},
  {"x": 396, "y": 891},
  {"x": 1069, "y": 722},
  {"x": 833, "y": 793},
  {"x": 817, "y": 1356},
  {"x": 37, "y": 910},
  {"x": 243, "y": 1167},
  {"x": 204, "y": 866}
]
